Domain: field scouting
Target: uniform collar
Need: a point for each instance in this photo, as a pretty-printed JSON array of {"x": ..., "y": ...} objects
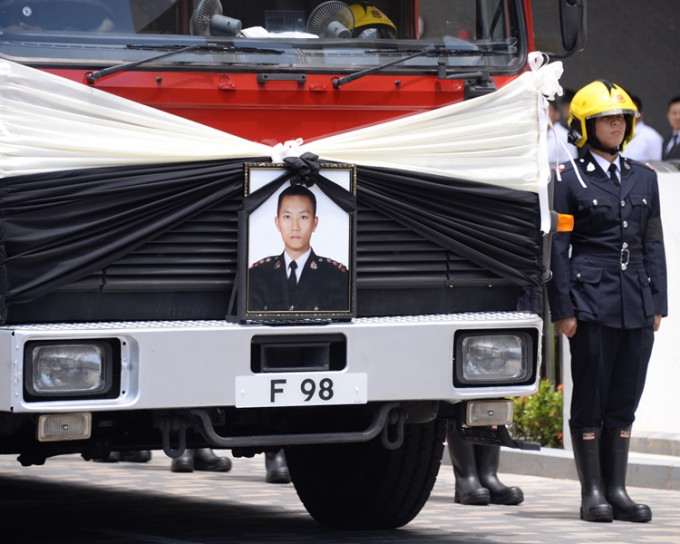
[
  {"x": 604, "y": 163},
  {"x": 596, "y": 168},
  {"x": 301, "y": 261}
]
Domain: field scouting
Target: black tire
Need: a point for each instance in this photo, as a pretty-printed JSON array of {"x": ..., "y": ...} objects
[{"x": 365, "y": 486}]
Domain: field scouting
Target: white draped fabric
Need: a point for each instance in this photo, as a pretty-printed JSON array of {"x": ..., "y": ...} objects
[
  {"x": 49, "y": 123},
  {"x": 499, "y": 138}
]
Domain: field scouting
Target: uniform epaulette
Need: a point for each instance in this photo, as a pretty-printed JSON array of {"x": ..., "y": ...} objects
[
  {"x": 564, "y": 167},
  {"x": 336, "y": 264},
  {"x": 261, "y": 261},
  {"x": 627, "y": 161}
]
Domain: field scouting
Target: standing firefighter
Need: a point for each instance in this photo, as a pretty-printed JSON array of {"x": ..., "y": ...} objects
[{"x": 607, "y": 294}]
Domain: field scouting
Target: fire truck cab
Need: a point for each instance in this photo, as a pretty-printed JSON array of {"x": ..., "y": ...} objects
[{"x": 129, "y": 132}]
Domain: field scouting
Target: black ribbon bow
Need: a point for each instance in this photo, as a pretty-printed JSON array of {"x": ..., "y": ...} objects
[{"x": 302, "y": 170}]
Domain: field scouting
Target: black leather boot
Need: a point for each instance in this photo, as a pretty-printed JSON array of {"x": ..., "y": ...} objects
[
  {"x": 112, "y": 457},
  {"x": 205, "y": 459},
  {"x": 183, "y": 463},
  {"x": 586, "y": 445},
  {"x": 469, "y": 489},
  {"x": 488, "y": 458},
  {"x": 615, "y": 447},
  {"x": 136, "y": 456},
  {"x": 277, "y": 468}
]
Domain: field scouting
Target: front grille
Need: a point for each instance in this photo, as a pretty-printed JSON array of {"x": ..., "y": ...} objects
[
  {"x": 202, "y": 255},
  {"x": 189, "y": 273},
  {"x": 390, "y": 256},
  {"x": 199, "y": 255}
]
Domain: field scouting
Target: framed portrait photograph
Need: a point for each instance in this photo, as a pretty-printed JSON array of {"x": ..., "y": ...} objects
[{"x": 297, "y": 246}]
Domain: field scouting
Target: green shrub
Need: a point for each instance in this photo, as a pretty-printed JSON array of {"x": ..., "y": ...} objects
[{"x": 538, "y": 417}]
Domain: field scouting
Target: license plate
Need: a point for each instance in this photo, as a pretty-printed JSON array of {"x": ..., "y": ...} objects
[{"x": 300, "y": 389}]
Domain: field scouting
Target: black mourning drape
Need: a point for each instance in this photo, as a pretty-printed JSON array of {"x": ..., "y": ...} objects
[
  {"x": 495, "y": 227},
  {"x": 59, "y": 227}
]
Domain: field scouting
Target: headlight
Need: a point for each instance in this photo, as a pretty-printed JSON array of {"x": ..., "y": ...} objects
[
  {"x": 68, "y": 369},
  {"x": 486, "y": 358}
]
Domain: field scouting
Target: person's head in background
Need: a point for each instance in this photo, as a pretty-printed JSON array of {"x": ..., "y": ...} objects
[
  {"x": 564, "y": 103},
  {"x": 673, "y": 113}
]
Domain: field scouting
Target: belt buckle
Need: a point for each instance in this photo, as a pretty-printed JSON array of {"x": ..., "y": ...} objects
[{"x": 625, "y": 257}]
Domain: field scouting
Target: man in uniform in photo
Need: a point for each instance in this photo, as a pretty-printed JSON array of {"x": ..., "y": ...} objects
[{"x": 297, "y": 279}]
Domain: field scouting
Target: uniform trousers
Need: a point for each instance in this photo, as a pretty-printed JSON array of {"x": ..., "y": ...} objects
[{"x": 608, "y": 369}]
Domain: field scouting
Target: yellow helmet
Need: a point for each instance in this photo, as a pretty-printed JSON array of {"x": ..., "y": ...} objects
[
  {"x": 370, "y": 22},
  {"x": 598, "y": 99}
]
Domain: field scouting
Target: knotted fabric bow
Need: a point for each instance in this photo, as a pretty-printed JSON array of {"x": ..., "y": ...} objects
[{"x": 302, "y": 170}]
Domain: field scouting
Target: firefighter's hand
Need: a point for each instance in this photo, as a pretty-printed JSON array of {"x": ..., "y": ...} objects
[
  {"x": 657, "y": 322},
  {"x": 566, "y": 326}
]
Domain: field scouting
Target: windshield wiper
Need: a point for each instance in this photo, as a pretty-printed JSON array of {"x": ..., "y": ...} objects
[
  {"x": 94, "y": 76},
  {"x": 432, "y": 51},
  {"x": 337, "y": 83}
]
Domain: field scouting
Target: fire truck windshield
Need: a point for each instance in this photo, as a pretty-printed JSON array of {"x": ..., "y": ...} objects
[{"x": 292, "y": 35}]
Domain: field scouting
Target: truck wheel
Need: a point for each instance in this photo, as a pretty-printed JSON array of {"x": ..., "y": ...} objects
[{"x": 365, "y": 486}]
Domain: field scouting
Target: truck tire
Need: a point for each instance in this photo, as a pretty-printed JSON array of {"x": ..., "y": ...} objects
[{"x": 364, "y": 486}]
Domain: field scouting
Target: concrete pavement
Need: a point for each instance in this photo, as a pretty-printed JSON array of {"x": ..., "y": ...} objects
[{"x": 71, "y": 501}]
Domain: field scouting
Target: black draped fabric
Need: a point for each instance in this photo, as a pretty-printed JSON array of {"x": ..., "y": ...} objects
[
  {"x": 495, "y": 227},
  {"x": 59, "y": 227}
]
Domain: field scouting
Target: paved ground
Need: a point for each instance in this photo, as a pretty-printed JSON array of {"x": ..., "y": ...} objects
[{"x": 71, "y": 501}]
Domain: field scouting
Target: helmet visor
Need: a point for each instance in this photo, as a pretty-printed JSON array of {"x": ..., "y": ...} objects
[{"x": 614, "y": 112}]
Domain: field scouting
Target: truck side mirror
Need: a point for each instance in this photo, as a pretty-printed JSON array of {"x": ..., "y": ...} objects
[
  {"x": 573, "y": 25},
  {"x": 559, "y": 32}
]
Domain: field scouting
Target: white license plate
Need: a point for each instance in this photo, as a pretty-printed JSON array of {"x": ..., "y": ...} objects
[{"x": 300, "y": 389}]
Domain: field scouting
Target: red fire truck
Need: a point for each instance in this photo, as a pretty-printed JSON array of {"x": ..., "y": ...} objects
[{"x": 143, "y": 144}]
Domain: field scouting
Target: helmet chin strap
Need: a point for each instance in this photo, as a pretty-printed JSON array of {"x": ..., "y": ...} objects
[{"x": 594, "y": 142}]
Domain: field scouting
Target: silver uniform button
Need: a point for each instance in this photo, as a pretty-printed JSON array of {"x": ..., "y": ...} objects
[
  {"x": 594, "y": 201},
  {"x": 625, "y": 224},
  {"x": 623, "y": 203},
  {"x": 578, "y": 275},
  {"x": 644, "y": 201}
]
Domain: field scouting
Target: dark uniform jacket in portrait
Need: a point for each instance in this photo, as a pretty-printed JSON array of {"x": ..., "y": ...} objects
[
  {"x": 616, "y": 273},
  {"x": 323, "y": 285}
]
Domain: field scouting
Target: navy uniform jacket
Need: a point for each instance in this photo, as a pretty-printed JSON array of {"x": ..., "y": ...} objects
[
  {"x": 323, "y": 286},
  {"x": 616, "y": 272}
]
